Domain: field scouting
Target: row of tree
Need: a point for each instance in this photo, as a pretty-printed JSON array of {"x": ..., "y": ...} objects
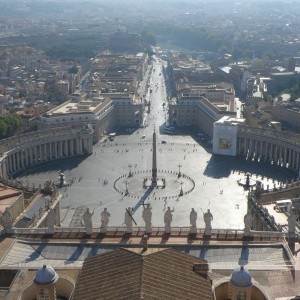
[{"x": 9, "y": 125}]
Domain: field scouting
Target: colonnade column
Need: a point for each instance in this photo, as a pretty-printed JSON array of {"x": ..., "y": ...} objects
[
  {"x": 245, "y": 146},
  {"x": 297, "y": 161},
  {"x": 35, "y": 154},
  {"x": 250, "y": 147},
  {"x": 55, "y": 149},
  {"x": 294, "y": 160},
  {"x": 259, "y": 148},
  {"x": 40, "y": 152},
  {"x": 67, "y": 148},
  {"x": 266, "y": 150},
  {"x": 60, "y": 149},
  {"x": 72, "y": 147},
  {"x": 4, "y": 168},
  {"x": 45, "y": 152},
  {"x": 22, "y": 159},
  {"x": 26, "y": 157},
  {"x": 285, "y": 156},
  {"x": 256, "y": 148},
  {"x": 280, "y": 154},
  {"x": 275, "y": 154},
  {"x": 30, "y": 156},
  {"x": 241, "y": 145},
  {"x": 80, "y": 146},
  {"x": 50, "y": 150},
  {"x": 9, "y": 162},
  {"x": 14, "y": 162},
  {"x": 290, "y": 158}
]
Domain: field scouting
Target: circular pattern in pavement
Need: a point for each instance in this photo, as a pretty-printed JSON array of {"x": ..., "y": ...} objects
[{"x": 138, "y": 185}]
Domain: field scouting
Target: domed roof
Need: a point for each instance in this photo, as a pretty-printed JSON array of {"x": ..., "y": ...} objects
[
  {"x": 45, "y": 275},
  {"x": 240, "y": 277}
]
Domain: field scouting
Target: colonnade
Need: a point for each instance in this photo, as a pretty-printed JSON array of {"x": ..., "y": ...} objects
[
  {"x": 261, "y": 219},
  {"x": 54, "y": 145},
  {"x": 277, "y": 147}
]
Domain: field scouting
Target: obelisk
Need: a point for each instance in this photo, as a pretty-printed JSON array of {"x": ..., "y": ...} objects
[{"x": 154, "y": 167}]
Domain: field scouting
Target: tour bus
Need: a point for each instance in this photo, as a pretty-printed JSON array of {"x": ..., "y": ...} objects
[{"x": 111, "y": 136}]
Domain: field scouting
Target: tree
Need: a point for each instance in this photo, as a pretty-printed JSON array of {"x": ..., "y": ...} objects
[
  {"x": 148, "y": 38},
  {"x": 73, "y": 70},
  {"x": 9, "y": 125}
]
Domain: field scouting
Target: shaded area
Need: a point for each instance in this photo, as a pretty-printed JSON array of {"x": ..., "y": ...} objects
[
  {"x": 6, "y": 278},
  {"x": 61, "y": 165},
  {"x": 219, "y": 256},
  {"x": 220, "y": 166}
]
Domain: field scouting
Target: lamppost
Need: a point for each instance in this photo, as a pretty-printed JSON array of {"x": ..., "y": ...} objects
[
  {"x": 181, "y": 191},
  {"x": 130, "y": 173},
  {"x": 179, "y": 173},
  {"x": 126, "y": 191}
]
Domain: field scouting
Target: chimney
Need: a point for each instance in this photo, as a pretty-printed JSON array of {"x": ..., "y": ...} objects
[{"x": 201, "y": 269}]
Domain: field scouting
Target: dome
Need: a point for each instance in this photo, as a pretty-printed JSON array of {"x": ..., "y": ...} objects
[
  {"x": 240, "y": 277},
  {"x": 45, "y": 275}
]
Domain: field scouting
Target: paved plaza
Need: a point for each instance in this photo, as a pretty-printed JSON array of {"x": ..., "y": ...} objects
[
  {"x": 207, "y": 182},
  {"x": 215, "y": 180}
]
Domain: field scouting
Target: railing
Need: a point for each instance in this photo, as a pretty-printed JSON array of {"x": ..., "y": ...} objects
[
  {"x": 288, "y": 252},
  {"x": 175, "y": 231}
]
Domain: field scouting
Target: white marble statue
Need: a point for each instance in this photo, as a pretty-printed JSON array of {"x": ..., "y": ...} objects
[
  {"x": 87, "y": 220},
  {"x": 147, "y": 216},
  {"x": 6, "y": 219},
  {"x": 168, "y": 217},
  {"x": 193, "y": 221},
  {"x": 248, "y": 223},
  {"x": 128, "y": 220},
  {"x": 292, "y": 220},
  {"x": 51, "y": 219},
  {"x": 105, "y": 215},
  {"x": 208, "y": 217}
]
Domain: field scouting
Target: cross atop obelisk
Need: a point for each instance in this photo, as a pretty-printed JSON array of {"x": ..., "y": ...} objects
[{"x": 154, "y": 166}]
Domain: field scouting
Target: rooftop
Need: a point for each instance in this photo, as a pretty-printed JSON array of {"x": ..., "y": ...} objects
[{"x": 165, "y": 274}]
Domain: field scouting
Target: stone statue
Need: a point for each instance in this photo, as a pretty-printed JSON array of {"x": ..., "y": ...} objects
[
  {"x": 51, "y": 219},
  {"x": 248, "y": 223},
  {"x": 128, "y": 220},
  {"x": 105, "y": 215},
  {"x": 292, "y": 219},
  {"x": 208, "y": 217},
  {"x": 87, "y": 220},
  {"x": 48, "y": 188},
  {"x": 6, "y": 219},
  {"x": 147, "y": 216},
  {"x": 193, "y": 220},
  {"x": 168, "y": 219}
]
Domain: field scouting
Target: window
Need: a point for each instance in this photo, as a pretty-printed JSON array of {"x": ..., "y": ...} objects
[
  {"x": 241, "y": 296},
  {"x": 44, "y": 294}
]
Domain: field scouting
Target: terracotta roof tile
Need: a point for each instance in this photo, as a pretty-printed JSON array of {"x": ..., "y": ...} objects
[{"x": 123, "y": 274}]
